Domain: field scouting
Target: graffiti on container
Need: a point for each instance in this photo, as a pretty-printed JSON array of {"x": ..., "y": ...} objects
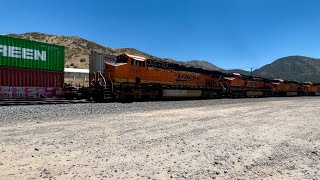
[{"x": 28, "y": 92}]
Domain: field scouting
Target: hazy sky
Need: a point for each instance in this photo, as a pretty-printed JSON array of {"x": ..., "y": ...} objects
[{"x": 227, "y": 33}]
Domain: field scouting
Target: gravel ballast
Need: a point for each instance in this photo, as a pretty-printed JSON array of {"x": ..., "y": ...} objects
[{"x": 269, "y": 138}]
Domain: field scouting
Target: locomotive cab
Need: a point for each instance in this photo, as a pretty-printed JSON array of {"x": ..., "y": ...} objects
[
  {"x": 309, "y": 89},
  {"x": 247, "y": 86},
  {"x": 234, "y": 79},
  {"x": 285, "y": 88}
]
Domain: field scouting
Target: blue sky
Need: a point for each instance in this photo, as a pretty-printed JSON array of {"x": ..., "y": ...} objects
[{"x": 227, "y": 33}]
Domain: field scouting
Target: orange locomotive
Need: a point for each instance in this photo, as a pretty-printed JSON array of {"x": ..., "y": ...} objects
[
  {"x": 285, "y": 88},
  {"x": 310, "y": 89},
  {"x": 134, "y": 77},
  {"x": 246, "y": 86},
  {"x": 128, "y": 77}
]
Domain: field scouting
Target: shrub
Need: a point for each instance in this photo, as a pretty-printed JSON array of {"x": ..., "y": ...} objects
[
  {"x": 82, "y": 60},
  {"x": 71, "y": 64}
]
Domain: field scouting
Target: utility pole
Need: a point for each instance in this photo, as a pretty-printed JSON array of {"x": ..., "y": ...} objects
[{"x": 251, "y": 71}]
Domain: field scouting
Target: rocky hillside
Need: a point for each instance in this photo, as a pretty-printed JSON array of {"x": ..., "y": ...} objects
[
  {"x": 240, "y": 71},
  {"x": 296, "y": 68},
  {"x": 78, "y": 49},
  {"x": 204, "y": 65},
  {"x": 134, "y": 52}
]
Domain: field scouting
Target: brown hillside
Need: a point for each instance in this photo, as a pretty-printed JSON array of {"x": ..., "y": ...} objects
[{"x": 78, "y": 50}]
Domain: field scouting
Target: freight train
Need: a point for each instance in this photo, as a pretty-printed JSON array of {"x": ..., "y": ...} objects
[
  {"x": 30, "y": 69},
  {"x": 129, "y": 77}
]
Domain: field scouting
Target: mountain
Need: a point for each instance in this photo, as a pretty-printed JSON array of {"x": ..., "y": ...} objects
[
  {"x": 78, "y": 49},
  {"x": 134, "y": 52},
  {"x": 240, "y": 71},
  {"x": 295, "y": 68},
  {"x": 203, "y": 64}
]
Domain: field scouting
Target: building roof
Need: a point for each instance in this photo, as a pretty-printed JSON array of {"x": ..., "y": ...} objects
[
  {"x": 138, "y": 58},
  {"x": 74, "y": 70}
]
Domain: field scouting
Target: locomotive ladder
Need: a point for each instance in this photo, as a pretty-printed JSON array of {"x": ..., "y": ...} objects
[
  {"x": 107, "y": 92},
  {"x": 107, "y": 88},
  {"x": 224, "y": 86}
]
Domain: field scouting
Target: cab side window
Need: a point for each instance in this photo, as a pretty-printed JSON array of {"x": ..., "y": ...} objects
[
  {"x": 122, "y": 60},
  {"x": 137, "y": 63}
]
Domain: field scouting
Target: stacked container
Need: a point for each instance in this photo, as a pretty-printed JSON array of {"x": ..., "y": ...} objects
[{"x": 29, "y": 64}]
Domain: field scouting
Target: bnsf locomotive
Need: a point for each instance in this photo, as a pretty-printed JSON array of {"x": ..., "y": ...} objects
[
  {"x": 129, "y": 77},
  {"x": 133, "y": 77}
]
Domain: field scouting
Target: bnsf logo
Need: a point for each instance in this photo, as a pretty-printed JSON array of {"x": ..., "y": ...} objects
[
  {"x": 108, "y": 59},
  {"x": 184, "y": 77}
]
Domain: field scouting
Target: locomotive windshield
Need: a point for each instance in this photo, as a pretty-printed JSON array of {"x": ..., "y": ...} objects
[
  {"x": 232, "y": 76},
  {"x": 121, "y": 59}
]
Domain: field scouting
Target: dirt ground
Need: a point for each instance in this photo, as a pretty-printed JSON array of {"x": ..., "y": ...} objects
[{"x": 262, "y": 140}]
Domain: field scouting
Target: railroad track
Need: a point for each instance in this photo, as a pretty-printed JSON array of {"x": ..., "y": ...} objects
[{"x": 16, "y": 102}]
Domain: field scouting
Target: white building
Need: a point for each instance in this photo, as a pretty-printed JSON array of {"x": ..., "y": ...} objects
[{"x": 80, "y": 74}]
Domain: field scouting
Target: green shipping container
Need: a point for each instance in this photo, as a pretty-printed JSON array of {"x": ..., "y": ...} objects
[{"x": 21, "y": 53}]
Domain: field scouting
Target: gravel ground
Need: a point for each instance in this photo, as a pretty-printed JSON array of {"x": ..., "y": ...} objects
[
  {"x": 14, "y": 114},
  {"x": 268, "y": 138}
]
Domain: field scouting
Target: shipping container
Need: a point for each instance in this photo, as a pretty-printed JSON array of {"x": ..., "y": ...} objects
[
  {"x": 30, "y": 78},
  {"x": 26, "y": 54}
]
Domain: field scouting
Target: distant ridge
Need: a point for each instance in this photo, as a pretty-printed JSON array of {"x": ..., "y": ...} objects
[
  {"x": 240, "y": 71},
  {"x": 204, "y": 65},
  {"x": 295, "y": 68}
]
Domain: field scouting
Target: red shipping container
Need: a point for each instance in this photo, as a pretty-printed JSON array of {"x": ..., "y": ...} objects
[{"x": 15, "y": 77}]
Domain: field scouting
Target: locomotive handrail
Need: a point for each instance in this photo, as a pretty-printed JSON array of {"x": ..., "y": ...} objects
[
  {"x": 104, "y": 80},
  {"x": 111, "y": 81}
]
